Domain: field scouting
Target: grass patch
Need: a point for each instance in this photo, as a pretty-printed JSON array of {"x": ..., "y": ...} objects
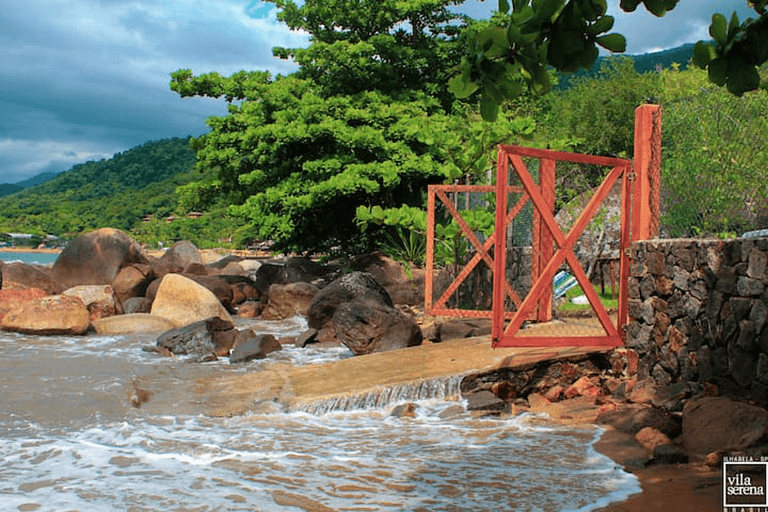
[{"x": 605, "y": 298}]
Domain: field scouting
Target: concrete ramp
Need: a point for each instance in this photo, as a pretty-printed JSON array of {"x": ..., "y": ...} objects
[{"x": 299, "y": 388}]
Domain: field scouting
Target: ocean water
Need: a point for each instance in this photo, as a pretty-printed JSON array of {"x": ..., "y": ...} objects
[
  {"x": 71, "y": 440},
  {"x": 38, "y": 258}
]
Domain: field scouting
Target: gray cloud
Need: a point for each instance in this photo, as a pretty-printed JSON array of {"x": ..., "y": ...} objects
[{"x": 84, "y": 79}]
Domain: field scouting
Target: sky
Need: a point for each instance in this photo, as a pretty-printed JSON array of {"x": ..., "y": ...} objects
[{"x": 82, "y": 80}]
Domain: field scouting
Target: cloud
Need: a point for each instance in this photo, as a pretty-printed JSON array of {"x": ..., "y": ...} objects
[
  {"x": 96, "y": 74},
  {"x": 84, "y": 79}
]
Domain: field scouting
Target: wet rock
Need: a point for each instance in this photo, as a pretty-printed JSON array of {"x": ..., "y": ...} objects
[
  {"x": 289, "y": 300},
  {"x": 183, "y": 301},
  {"x": 20, "y": 276},
  {"x": 99, "y": 299},
  {"x": 631, "y": 418},
  {"x": 484, "y": 400},
  {"x": 96, "y": 258},
  {"x": 13, "y": 298},
  {"x": 52, "y": 315},
  {"x": 404, "y": 411},
  {"x": 720, "y": 423},
  {"x": 251, "y": 345},
  {"x": 212, "y": 335},
  {"x": 355, "y": 286},
  {"x": 132, "y": 323},
  {"x": 650, "y": 438},
  {"x": 250, "y": 309},
  {"x": 462, "y": 328},
  {"x": 366, "y": 328},
  {"x": 307, "y": 337}
]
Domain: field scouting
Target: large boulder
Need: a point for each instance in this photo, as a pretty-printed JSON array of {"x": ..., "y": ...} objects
[
  {"x": 11, "y": 299},
  {"x": 132, "y": 281},
  {"x": 181, "y": 256},
  {"x": 355, "y": 286},
  {"x": 99, "y": 299},
  {"x": 200, "y": 339},
  {"x": 367, "y": 327},
  {"x": 20, "y": 276},
  {"x": 719, "y": 423},
  {"x": 183, "y": 301},
  {"x": 217, "y": 286},
  {"x": 404, "y": 284},
  {"x": 132, "y": 323},
  {"x": 96, "y": 258},
  {"x": 52, "y": 315},
  {"x": 287, "y": 300}
]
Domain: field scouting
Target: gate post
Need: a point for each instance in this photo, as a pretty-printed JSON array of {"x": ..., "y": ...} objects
[
  {"x": 543, "y": 246},
  {"x": 647, "y": 171}
]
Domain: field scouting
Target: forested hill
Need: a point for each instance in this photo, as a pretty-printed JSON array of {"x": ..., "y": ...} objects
[
  {"x": 133, "y": 169},
  {"x": 117, "y": 192}
]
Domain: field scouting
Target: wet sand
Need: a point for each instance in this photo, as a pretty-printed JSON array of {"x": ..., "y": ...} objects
[{"x": 691, "y": 487}]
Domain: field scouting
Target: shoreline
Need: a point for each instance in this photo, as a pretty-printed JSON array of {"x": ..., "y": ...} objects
[
  {"x": 44, "y": 250},
  {"x": 690, "y": 487}
]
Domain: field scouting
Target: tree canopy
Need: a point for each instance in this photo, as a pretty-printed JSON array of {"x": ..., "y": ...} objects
[{"x": 525, "y": 37}]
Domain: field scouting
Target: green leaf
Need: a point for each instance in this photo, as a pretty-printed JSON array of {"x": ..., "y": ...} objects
[
  {"x": 733, "y": 26},
  {"x": 742, "y": 77},
  {"x": 503, "y": 6},
  {"x": 488, "y": 108},
  {"x": 547, "y": 10},
  {"x": 603, "y": 24},
  {"x": 717, "y": 71},
  {"x": 703, "y": 54},
  {"x": 615, "y": 43},
  {"x": 460, "y": 87},
  {"x": 718, "y": 29}
]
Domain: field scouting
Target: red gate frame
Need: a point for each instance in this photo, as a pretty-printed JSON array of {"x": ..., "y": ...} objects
[{"x": 547, "y": 265}]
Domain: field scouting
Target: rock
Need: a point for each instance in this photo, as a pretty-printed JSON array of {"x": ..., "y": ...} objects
[
  {"x": 631, "y": 418},
  {"x": 365, "y": 328},
  {"x": 99, "y": 299},
  {"x": 52, "y": 315},
  {"x": 132, "y": 281},
  {"x": 405, "y": 286},
  {"x": 288, "y": 300},
  {"x": 13, "y": 298},
  {"x": 303, "y": 270},
  {"x": 20, "y": 276},
  {"x": 220, "y": 264},
  {"x": 643, "y": 392},
  {"x": 462, "y": 328},
  {"x": 243, "y": 288},
  {"x": 356, "y": 286},
  {"x": 668, "y": 454},
  {"x": 650, "y": 438},
  {"x": 582, "y": 387},
  {"x": 181, "y": 256},
  {"x": 404, "y": 411},
  {"x": 211, "y": 335},
  {"x": 183, "y": 301},
  {"x": 137, "y": 305},
  {"x": 307, "y": 337},
  {"x": 250, "y": 309},
  {"x": 96, "y": 258},
  {"x": 250, "y": 345},
  {"x": 132, "y": 323},
  {"x": 268, "y": 274},
  {"x": 484, "y": 400},
  {"x": 720, "y": 423}
]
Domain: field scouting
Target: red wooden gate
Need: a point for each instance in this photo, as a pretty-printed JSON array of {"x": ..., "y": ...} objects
[{"x": 552, "y": 250}]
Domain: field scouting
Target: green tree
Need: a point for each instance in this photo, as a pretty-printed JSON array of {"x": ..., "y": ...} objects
[{"x": 353, "y": 126}]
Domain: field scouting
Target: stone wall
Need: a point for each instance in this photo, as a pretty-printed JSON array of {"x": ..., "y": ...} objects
[{"x": 698, "y": 313}]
